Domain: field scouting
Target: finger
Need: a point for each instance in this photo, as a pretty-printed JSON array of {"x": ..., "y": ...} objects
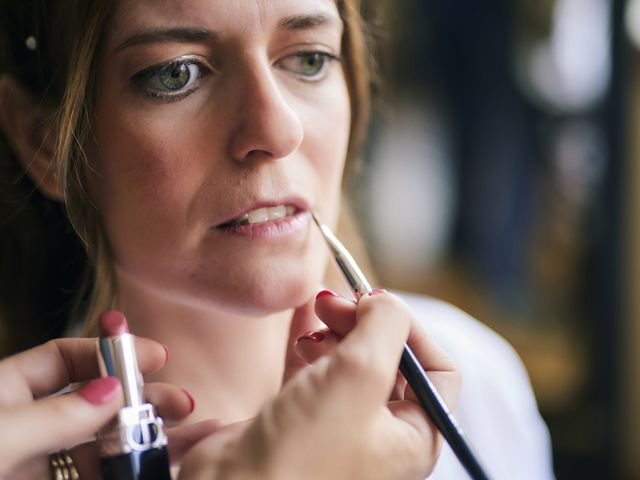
[
  {"x": 303, "y": 320},
  {"x": 439, "y": 367},
  {"x": 172, "y": 403},
  {"x": 313, "y": 345},
  {"x": 58, "y": 422},
  {"x": 336, "y": 312},
  {"x": 204, "y": 459},
  {"x": 399, "y": 388},
  {"x": 369, "y": 356},
  {"x": 447, "y": 385},
  {"x": 182, "y": 438},
  {"x": 428, "y": 352},
  {"x": 151, "y": 355},
  {"x": 33, "y": 468},
  {"x": 57, "y": 363},
  {"x": 47, "y": 368},
  {"x": 412, "y": 414}
]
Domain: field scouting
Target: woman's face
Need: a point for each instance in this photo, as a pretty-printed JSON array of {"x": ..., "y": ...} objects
[{"x": 219, "y": 125}]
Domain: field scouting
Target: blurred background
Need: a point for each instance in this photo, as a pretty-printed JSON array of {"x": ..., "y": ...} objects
[{"x": 502, "y": 176}]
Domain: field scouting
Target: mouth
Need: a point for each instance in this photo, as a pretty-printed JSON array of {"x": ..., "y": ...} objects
[{"x": 262, "y": 215}]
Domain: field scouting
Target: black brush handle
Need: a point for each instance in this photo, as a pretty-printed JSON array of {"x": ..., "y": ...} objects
[{"x": 438, "y": 412}]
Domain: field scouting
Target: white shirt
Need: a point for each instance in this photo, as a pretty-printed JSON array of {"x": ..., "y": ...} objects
[{"x": 497, "y": 409}]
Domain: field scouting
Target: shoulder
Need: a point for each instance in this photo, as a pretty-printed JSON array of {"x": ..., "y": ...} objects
[
  {"x": 456, "y": 331},
  {"x": 476, "y": 348},
  {"x": 497, "y": 408}
]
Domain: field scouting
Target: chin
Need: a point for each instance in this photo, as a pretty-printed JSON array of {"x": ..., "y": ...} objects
[
  {"x": 269, "y": 291},
  {"x": 265, "y": 301}
]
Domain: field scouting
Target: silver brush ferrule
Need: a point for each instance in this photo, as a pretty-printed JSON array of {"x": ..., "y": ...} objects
[{"x": 352, "y": 273}]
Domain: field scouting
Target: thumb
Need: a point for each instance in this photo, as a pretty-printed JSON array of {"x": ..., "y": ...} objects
[{"x": 59, "y": 421}]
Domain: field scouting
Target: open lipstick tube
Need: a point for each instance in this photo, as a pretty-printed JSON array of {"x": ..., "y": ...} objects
[{"x": 133, "y": 445}]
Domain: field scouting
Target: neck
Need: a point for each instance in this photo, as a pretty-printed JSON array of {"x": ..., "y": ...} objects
[{"x": 230, "y": 363}]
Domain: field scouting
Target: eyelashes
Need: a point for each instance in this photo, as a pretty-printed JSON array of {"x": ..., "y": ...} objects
[
  {"x": 308, "y": 66},
  {"x": 172, "y": 80},
  {"x": 178, "y": 78}
]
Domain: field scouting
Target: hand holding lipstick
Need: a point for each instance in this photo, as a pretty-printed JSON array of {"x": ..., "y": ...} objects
[{"x": 35, "y": 423}]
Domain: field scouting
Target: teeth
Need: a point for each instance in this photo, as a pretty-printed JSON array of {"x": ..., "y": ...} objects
[
  {"x": 276, "y": 213},
  {"x": 265, "y": 214},
  {"x": 258, "y": 216}
]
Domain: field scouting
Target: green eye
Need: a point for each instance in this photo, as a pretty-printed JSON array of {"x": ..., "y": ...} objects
[
  {"x": 175, "y": 76},
  {"x": 311, "y": 63},
  {"x": 174, "y": 79},
  {"x": 310, "y": 66}
]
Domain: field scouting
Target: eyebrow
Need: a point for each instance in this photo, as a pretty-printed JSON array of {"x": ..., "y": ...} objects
[
  {"x": 195, "y": 34},
  {"x": 179, "y": 34},
  {"x": 301, "y": 22}
]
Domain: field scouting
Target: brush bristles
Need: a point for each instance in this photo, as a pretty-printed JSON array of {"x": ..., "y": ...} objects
[{"x": 315, "y": 219}]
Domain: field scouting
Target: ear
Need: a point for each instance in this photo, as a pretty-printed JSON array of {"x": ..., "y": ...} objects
[{"x": 29, "y": 131}]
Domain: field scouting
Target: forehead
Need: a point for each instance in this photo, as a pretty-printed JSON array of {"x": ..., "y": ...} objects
[{"x": 249, "y": 17}]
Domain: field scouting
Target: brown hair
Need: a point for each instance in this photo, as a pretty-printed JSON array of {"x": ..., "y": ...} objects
[
  {"x": 61, "y": 73},
  {"x": 43, "y": 266}
]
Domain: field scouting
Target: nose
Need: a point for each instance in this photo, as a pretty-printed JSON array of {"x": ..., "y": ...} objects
[{"x": 266, "y": 126}]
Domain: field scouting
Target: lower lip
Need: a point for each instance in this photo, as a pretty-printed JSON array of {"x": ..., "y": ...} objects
[{"x": 269, "y": 230}]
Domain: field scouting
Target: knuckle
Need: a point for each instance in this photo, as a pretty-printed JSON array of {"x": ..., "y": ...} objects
[
  {"x": 390, "y": 306},
  {"x": 353, "y": 361},
  {"x": 381, "y": 300},
  {"x": 57, "y": 348},
  {"x": 63, "y": 410}
]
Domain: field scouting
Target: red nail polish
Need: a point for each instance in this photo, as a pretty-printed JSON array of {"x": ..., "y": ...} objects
[
  {"x": 100, "y": 390},
  {"x": 166, "y": 353},
  {"x": 192, "y": 402},
  {"x": 322, "y": 293},
  {"x": 313, "y": 336},
  {"x": 376, "y": 291}
]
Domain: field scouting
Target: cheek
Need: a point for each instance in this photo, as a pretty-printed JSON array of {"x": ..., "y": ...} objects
[
  {"x": 144, "y": 177},
  {"x": 337, "y": 157},
  {"x": 327, "y": 138}
]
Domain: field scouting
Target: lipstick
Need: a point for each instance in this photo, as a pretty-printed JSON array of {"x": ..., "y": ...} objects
[
  {"x": 428, "y": 397},
  {"x": 133, "y": 445}
]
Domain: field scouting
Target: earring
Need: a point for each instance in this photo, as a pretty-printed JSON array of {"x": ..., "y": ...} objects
[{"x": 31, "y": 42}]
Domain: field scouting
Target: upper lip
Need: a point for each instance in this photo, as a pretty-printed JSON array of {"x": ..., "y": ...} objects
[{"x": 299, "y": 203}]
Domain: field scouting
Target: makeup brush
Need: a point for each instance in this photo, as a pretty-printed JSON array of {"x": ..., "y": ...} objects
[{"x": 425, "y": 391}]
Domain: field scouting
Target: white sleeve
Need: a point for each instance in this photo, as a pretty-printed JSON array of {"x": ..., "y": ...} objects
[{"x": 496, "y": 409}]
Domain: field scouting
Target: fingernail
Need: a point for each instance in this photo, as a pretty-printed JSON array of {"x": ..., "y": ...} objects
[
  {"x": 166, "y": 353},
  {"x": 192, "y": 402},
  {"x": 100, "y": 390},
  {"x": 313, "y": 336},
  {"x": 377, "y": 291},
  {"x": 322, "y": 293}
]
